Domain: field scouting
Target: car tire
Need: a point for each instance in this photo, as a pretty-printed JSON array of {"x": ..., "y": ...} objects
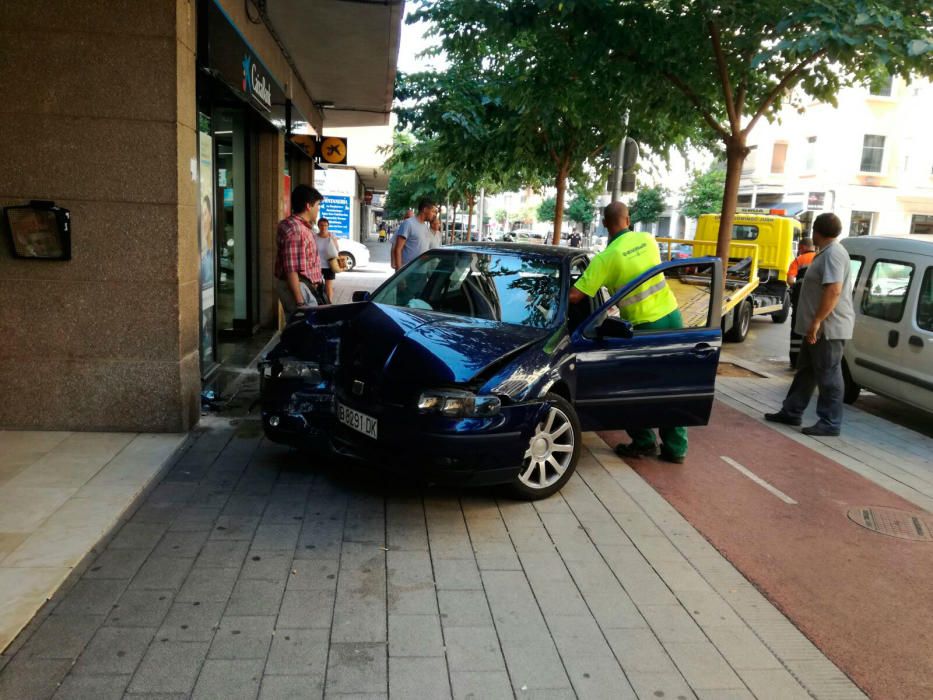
[
  {"x": 782, "y": 315},
  {"x": 552, "y": 454},
  {"x": 741, "y": 320},
  {"x": 851, "y": 390},
  {"x": 349, "y": 260}
]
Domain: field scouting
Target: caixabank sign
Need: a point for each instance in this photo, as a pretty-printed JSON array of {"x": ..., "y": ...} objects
[{"x": 231, "y": 59}]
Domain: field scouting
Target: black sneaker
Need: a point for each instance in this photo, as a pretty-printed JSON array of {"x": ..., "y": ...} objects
[
  {"x": 818, "y": 430},
  {"x": 633, "y": 451},
  {"x": 781, "y": 417}
]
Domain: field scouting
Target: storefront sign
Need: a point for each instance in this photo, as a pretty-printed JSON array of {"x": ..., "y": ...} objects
[
  {"x": 815, "y": 200},
  {"x": 336, "y": 209},
  {"x": 338, "y": 185},
  {"x": 332, "y": 149},
  {"x": 206, "y": 238},
  {"x": 233, "y": 60}
]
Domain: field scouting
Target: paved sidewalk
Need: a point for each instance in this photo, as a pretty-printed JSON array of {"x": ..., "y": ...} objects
[{"x": 249, "y": 573}]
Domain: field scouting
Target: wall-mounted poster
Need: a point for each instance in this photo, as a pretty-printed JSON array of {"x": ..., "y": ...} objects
[
  {"x": 40, "y": 231},
  {"x": 206, "y": 238}
]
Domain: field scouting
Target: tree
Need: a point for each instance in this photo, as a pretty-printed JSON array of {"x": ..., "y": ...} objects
[
  {"x": 501, "y": 215},
  {"x": 547, "y": 210},
  {"x": 704, "y": 193},
  {"x": 582, "y": 210},
  {"x": 759, "y": 55},
  {"x": 648, "y": 205}
]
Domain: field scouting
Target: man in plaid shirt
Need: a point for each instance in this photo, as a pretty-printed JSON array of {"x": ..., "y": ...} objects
[{"x": 298, "y": 278}]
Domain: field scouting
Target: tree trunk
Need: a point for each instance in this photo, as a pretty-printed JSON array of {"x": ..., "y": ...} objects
[
  {"x": 471, "y": 200},
  {"x": 559, "y": 204},
  {"x": 453, "y": 226},
  {"x": 736, "y": 151}
]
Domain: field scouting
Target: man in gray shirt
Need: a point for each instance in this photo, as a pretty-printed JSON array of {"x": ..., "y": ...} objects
[
  {"x": 825, "y": 318},
  {"x": 414, "y": 235}
]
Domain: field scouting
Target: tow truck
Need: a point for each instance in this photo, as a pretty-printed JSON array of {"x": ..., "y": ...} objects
[{"x": 762, "y": 248}]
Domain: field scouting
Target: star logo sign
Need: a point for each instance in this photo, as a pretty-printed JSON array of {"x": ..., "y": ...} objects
[{"x": 247, "y": 65}]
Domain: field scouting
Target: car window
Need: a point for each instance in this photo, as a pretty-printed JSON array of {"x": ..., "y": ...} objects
[
  {"x": 509, "y": 287},
  {"x": 691, "y": 285},
  {"x": 855, "y": 267},
  {"x": 886, "y": 290},
  {"x": 741, "y": 232},
  {"x": 925, "y": 302}
]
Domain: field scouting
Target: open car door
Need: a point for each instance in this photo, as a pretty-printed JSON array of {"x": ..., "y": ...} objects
[{"x": 631, "y": 378}]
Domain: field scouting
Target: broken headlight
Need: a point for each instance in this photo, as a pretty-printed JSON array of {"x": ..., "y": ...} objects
[{"x": 456, "y": 403}]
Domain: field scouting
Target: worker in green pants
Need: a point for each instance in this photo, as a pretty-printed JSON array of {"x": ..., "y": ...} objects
[{"x": 651, "y": 305}]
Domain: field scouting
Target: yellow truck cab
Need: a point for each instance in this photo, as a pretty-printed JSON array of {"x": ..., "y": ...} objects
[{"x": 776, "y": 237}]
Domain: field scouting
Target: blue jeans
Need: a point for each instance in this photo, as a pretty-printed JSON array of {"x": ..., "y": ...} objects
[{"x": 819, "y": 365}]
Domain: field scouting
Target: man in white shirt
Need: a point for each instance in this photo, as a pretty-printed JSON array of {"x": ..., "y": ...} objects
[{"x": 414, "y": 235}]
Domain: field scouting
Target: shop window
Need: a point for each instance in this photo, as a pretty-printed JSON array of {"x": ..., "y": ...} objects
[
  {"x": 925, "y": 302},
  {"x": 872, "y": 153},
  {"x": 922, "y": 224},
  {"x": 778, "y": 158},
  {"x": 860, "y": 224},
  {"x": 886, "y": 290}
]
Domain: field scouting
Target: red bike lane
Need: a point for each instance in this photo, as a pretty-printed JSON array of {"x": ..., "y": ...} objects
[{"x": 864, "y": 598}]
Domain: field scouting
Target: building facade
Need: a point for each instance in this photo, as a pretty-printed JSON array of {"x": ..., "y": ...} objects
[
  {"x": 869, "y": 159},
  {"x": 172, "y": 131}
]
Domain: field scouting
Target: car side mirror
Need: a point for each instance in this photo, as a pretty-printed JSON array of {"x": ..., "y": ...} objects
[
  {"x": 360, "y": 296},
  {"x": 614, "y": 327}
]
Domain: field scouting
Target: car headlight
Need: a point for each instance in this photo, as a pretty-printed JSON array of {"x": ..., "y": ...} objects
[
  {"x": 297, "y": 369},
  {"x": 455, "y": 403}
]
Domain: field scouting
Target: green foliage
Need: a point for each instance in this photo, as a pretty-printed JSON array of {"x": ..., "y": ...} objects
[
  {"x": 547, "y": 210},
  {"x": 704, "y": 193},
  {"x": 410, "y": 177},
  {"x": 582, "y": 210},
  {"x": 500, "y": 215},
  {"x": 648, "y": 205}
]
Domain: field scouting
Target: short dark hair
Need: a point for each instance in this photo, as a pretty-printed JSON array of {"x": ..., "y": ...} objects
[
  {"x": 303, "y": 195},
  {"x": 322, "y": 220},
  {"x": 425, "y": 203},
  {"x": 827, "y": 225}
]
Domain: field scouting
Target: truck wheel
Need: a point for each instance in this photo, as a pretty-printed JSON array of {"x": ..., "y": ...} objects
[
  {"x": 852, "y": 390},
  {"x": 741, "y": 320},
  {"x": 782, "y": 315}
]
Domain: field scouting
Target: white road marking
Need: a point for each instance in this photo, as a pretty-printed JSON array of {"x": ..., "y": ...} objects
[{"x": 758, "y": 480}]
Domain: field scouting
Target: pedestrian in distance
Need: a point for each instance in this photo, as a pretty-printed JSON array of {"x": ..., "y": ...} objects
[
  {"x": 436, "y": 239},
  {"x": 575, "y": 239},
  {"x": 806, "y": 251},
  {"x": 651, "y": 306},
  {"x": 329, "y": 255},
  {"x": 298, "y": 279},
  {"x": 825, "y": 319},
  {"x": 414, "y": 235}
]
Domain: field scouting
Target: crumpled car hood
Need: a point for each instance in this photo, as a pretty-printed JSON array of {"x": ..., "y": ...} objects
[{"x": 405, "y": 347}]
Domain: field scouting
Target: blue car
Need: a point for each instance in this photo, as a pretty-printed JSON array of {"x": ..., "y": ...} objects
[{"x": 470, "y": 365}]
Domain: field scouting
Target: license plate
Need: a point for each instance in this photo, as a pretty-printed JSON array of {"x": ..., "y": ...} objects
[{"x": 358, "y": 421}]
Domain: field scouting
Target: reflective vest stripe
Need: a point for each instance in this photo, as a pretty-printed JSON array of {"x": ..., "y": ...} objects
[{"x": 642, "y": 295}]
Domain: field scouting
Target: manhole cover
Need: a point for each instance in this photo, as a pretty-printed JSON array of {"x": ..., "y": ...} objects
[{"x": 894, "y": 523}]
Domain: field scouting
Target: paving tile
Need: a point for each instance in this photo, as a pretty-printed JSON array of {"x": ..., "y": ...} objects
[
  {"x": 356, "y": 668},
  {"x": 207, "y": 585},
  {"x": 639, "y": 650},
  {"x": 194, "y": 518},
  {"x": 313, "y": 575},
  {"x": 457, "y": 574},
  {"x": 243, "y": 638},
  {"x": 228, "y": 554},
  {"x": 62, "y": 636},
  {"x": 191, "y": 622},
  {"x": 114, "y": 650},
  {"x": 276, "y": 536},
  {"x": 234, "y": 527},
  {"x": 307, "y": 610},
  {"x": 485, "y": 685},
  {"x": 162, "y": 573},
  {"x": 668, "y": 684},
  {"x": 576, "y": 635},
  {"x": 255, "y": 597},
  {"x": 703, "y": 666},
  {"x": 88, "y": 597},
  {"x": 230, "y": 680},
  {"x": 25, "y": 677},
  {"x": 268, "y": 565},
  {"x": 598, "y": 676},
  {"x": 742, "y": 648},
  {"x": 463, "y": 609},
  {"x": 535, "y": 665},
  {"x": 415, "y": 635},
  {"x": 186, "y": 545},
  {"x": 424, "y": 677},
  {"x": 291, "y": 688},
  {"x": 169, "y": 667},
  {"x": 360, "y": 608},
  {"x": 92, "y": 688},
  {"x": 138, "y": 535},
  {"x": 473, "y": 649},
  {"x": 117, "y": 564},
  {"x": 671, "y": 623},
  {"x": 140, "y": 609},
  {"x": 773, "y": 684},
  {"x": 298, "y": 652}
]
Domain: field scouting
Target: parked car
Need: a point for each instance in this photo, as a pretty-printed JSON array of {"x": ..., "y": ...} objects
[
  {"x": 470, "y": 365},
  {"x": 354, "y": 253},
  {"x": 891, "y": 351}
]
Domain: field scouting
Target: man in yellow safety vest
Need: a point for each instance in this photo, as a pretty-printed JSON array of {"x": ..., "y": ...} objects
[{"x": 651, "y": 305}]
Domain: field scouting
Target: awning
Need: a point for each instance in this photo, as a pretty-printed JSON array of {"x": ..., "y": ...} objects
[{"x": 346, "y": 52}]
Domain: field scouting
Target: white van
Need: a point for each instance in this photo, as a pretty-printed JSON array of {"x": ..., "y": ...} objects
[{"x": 891, "y": 351}]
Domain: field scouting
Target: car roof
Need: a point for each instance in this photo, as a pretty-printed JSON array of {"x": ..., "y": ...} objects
[
  {"x": 917, "y": 244},
  {"x": 550, "y": 251}
]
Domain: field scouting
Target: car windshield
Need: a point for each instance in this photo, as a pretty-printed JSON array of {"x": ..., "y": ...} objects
[{"x": 508, "y": 287}]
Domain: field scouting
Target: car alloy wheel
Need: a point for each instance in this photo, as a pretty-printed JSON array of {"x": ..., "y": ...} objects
[
  {"x": 550, "y": 451},
  {"x": 349, "y": 260}
]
